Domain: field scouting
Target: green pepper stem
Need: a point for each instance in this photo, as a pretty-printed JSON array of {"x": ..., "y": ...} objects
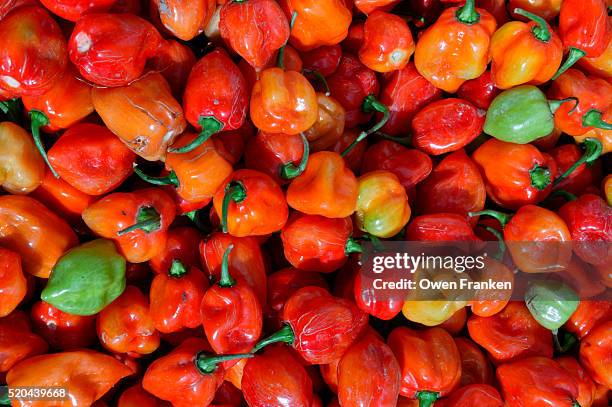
[
  {"x": 502, "y": 218},
  {"x": 209, "y": 125},
  {"x": 234, "y": 191},
  {"x": 467, "y": 14},
  {"x": 573, "y": 56},
  {"x": 226, "y": 280},
  {"x": 575, "y": 403},
  {"x": 170, "y": 179},
  {"x": 564, "y": 194},
  {"x": 352, "y": 246},
  {"x": 285, "y": 335},
  {"x": 148, "y": 220},
  {"x": 280, "y": 61},
  {"x": 565, "y": 345},
  {"x": 592, "y": 118},
  {"x": 208, "y": 364},
  {"x": 555, "y": 104},
  {"x": 540, "y": 177},
  {"x": 38, "y": 119},
  {"x": 319, "y": 77},
  {"x": 593, "y": 149},
  {"x": 541, "y": 31},
  {"x": 370, "y": 104},
  {"x": 427, "y": 398},
  {"x": 500, "y": 242},
  {"x": 177, "y": 269},
  {"x": 290, "y": 170}
]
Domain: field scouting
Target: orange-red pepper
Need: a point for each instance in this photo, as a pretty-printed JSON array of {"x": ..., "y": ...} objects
[
  {"x": 17, "y": 340},
  {"x": 61, "y": 330},
  {"x": 21, "y": 166},
  {"x": 185, "y": 20},
  {"x": 276, "y": 154},
  {"x": 387, "y": 42},
  {"x": 13, "y": 284},
  {"x": 182, "y": 245},
  {"x": 330, "y": 124},
  {"x": 596, "y": 353},
  {"x": 586, "y": 386}
]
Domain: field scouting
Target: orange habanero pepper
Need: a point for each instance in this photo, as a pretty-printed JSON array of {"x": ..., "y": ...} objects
[
  {"x": 185, "y": 20},
  {"x": 13, "y": 284},
  {"x": 21, "y": 166}
]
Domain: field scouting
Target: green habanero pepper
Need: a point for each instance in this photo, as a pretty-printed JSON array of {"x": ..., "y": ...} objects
[
  {"x": 551, "y": 302},
  {"x": 86, "y": 278},
  {"x": 521, "y": 114}
]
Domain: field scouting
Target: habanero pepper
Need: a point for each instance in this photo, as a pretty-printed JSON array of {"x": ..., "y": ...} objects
[
  {"x": 281, "y": 156},
  {"x": 329, "y": 126},
  {"x": 175, "y": 65},
  {"x": 185, "y": 21},
  {"x": 547, "y": 9},
  {"x": 181, "y": 244},
  {"x": 480, "y": 91},
  {"x": 324, "y": 59},
  {"x": 481, "y": 395},
  {"x": 382, "y": 304},
  {"x": 131, "y": 40},
  {"x": 438, "y": 227},
  {"x": 551, "y": 303},
  {"x": 21, "y": 166},
  {"x": 586, "y": 386},
  {"x": 600, "y": 66},
  {"x": 37, "y": 234},
  {"x": 17, "y": 340},
  {"x": 282, "y": 284},
  {"x": 144, "y": 115},
  {"x": 475, "y": 367},
  {"x": 596, "y": 353},
  {"x": 588, "y": 315},
  {"x": 576, "y": 171},
  {"x": 13, "y": 286},
  {"x": 10, "y": 5},
  {"x": 369, "y": 6},
  {"x": 73, "y": 10},
  {"x": 136, "y": 221},
  {"x": 456, "y": 47},
  {"x": 387, "y": 42},
  {"x": 62, "y": 330}
]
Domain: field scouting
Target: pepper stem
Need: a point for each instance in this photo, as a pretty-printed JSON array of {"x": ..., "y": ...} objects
[
  {"x": 226, "y": 280},
  {"x": 285, "y": 335},
  {"x": 564, "y": 194},
  {"x": 208, "y": 364},
  {"x": 502, "y": 218},
  {"x": 427, "y": 398},
  {"x": 280, "y": 61},
  {"x": 541, "y": 31},
  {"x": 177, "y": 269},
  {"x": 370, "y": 104},
  {"x": 500, "y": 242},
  {"x": 209, "y": 125},
  {"x": 234, "y": 191},
  {"x": 573, "y": 56},
  {"x": 170, "y": 179},
  {"x": 319, "y": 77},
  {"x": 565, "y": 343},
  {"x": 290, "y": 170},
  {"x": 352, "y": 246},
  {"x": 148, "y": 220},
  {"x": 540, "y": 177},
  {"x": 592, "y": 118},
  {"x": 593, "y": 149},
  {"x": 555, "y": 104},
  {"x": 38, "y": 119},
  {"x": 467, "y": 14}
]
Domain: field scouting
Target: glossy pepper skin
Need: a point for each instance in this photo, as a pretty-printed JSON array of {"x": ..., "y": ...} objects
[
  {"x": 317, "y": 23},
  {"x": 61, "y": 330},
  {"x": 600, "y": 66},
  {"x": 131, "y": 40},
  {"x": 551, "y": 303},
  {"x": 536, "y": 380},
  {"x": 18, "y": 341},
  {"x": 586, "y": 386},
  {"x": 547, "y": 9},
  {"x": 185, "y": 21},
  {"x": 479, "y": 91},
  {"x": 13, "y": 284},
  {"x": 91, "y": 159},
  {"x": 255, "y": 29},
  {"x": 283, "y": 102},
  {"x": 324, "y": 59},
  {"x": 126, "y": 326},
  {"x": 382, "y": 304},
  {"x": 586, "y": 171},
  {"x": 182, "y": 245},
  {"x": 440, "y": 227},
  {"x": 429, "y": 363},
  {"x": 144, "y": 115},
  {"x": 475, "y": 367},
  {"x": 524, "y": 53},
  {"x": 282, "y": 284},
  {"x": 271, "y": 153},
  {"x": 72, "y": 10},
  {"x": 595, "y": 353},
  {"x": 446, "y": 125},
  {"x": 511, "y": 335},
  {"x": 473, "y": 395},
  {"x": 387, "y": 42},
  {"x": 276, "y": 377},
  {"x": 316, "y": 243},
  {"x": 594, "y": 101},
  {"x": 87, "y": 374},
  {"x": 456, "y": 47},
  {"x": 314, "y": 192},
  {"x": 588, "y": 315},
  {"x": 329, "y": 126},
  {"x": 22, "y": 168},
  {"x": 112, "y": 215},
  {"x": 514, "y": 174},
  {"x": 33, "y": 51},
  {"x": 36, "y": 233},
  {"x": 250, "y": 204}
]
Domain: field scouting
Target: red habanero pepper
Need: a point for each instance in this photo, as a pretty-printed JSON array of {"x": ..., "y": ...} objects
[
  {"x": 329, "y": 126},
  {"x": 547, "y": 9},
  {"x": 231, "y": 313},
  {"x": 369, "y": 6},
  {"x": 255, "y": 29},
  {"x": 317, "y": 243},
  {"x": 475, "y": 367},
  {"x": 585, "y": 29},
  {"x": 250, "y": 203},
  {"x": 511, "y": 334},
  {"x": 61, "y": 330},
  {"x": 136, "y": 396},
  {"x": 354, "y": 39},
  {"x": 72, "y": 10},
  {"x": 17, "y": 340},
  {"x": 324, "y": 59},
  {"x": 136, "y": 221},
  {"x": 481, "y": 395},
  {"x": 175, "y": 297},
  {"x": 9, "y": 5},
  {"x": 246, "y": 260},
  {"x": 91, "y": 159},
  {"x": 582, "y": 175},
  {"x": 456, "y": 47},
  {"x": 440, "y": 227},
  {"x": 446, "y": 125},
  {"x": 429, "y": 363},
  {"x": 596, "y": 353},
  {"x": 480, "y": 91},
  {"x": 185, "y": 20},
  {"x": 537, "y": 380},
  {"x": 126, "y": 326},
  {"x": 387, "y": 43},
  {"x": 514, "y": 174},
  {"x": 314, "y": 192},
  {"x": 182, "y": 245},
  {"x": 586, "y": 386},
  {"x": 382, "y": 304},
  {"x": 187, "y": 376},
  {"x": 282, "y": 284},
  {"x": 130, "y": 39},
  {"x": 276, "y": 378},
  {"x": 228, "y": 395},
  {"x": 278, "y": 155},
  {"x": 215, "y": 98},
  {"x": 587, "y": 316},
  {"x": 13, "y": 284},
  {"x": 410, "y": 166},
  {"x": 32, "y": 51},
  {"x": 175, "y": 65}
]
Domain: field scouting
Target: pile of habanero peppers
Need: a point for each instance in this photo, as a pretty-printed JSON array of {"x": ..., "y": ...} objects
[{"x": 187, "y": 187}]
